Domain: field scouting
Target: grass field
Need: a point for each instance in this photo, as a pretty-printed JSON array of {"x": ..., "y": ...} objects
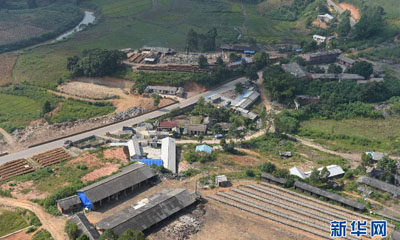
[
  {"x": 355, "y": 135},
  {"x": 72, "y": 110},
  {"x": 11, "y": 221},
  {"x": 27, "y": 26},
  {"x": 7, "y": 62},
  {"x": 42, "y": 235}
]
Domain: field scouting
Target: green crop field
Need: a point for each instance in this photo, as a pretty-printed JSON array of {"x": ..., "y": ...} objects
[
  {"x": 11, "y": 221},
  {"x": 17, "y": 111},
  {"x": 355, "y": 135}
]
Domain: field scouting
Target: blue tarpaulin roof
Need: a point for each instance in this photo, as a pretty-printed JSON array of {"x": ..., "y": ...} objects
[
  {"x": 85, "y": 200},
  {"x": 204, "y": 148},
  {"x": 249, "y": 51},
  {"x": 157, "y": 162}
]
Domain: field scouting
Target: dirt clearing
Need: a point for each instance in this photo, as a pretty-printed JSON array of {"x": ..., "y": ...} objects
[
  {"x": 355, "y": 13},
  {"x": 7, "y": 62},
  {"x": 101, "y": 172},
  {"x": 90, "y": 90},
  {"x": 24, "y": 190},
  {"x": 192, "y": 89},
  {"x": 21, "y": 235},
  {"x": 320, "y": 24},
  {"x": 135, "y": 100}
]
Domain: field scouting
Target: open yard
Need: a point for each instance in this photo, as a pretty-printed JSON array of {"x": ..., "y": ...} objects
[{"x": 355, "y": 135}]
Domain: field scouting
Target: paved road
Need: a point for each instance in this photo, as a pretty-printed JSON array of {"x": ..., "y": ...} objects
[{"x": 102, "y": 131}]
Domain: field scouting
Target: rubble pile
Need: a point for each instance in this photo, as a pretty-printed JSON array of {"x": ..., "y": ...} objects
[
  {"x": 44, "y": 131},
  {"x": 185, "y": 226}
]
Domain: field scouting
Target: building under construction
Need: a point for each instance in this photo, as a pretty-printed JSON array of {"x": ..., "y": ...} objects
[{"x": 148, "y": 211}]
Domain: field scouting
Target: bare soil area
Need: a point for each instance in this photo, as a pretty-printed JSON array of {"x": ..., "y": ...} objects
[
  {"x": 22, "y": 235},
  {"x": 136, "y": 100},
  {"x": 108, "y": 82},
  {"x": 24, "y": 190},
  {"x": 7, "y": 62},
  {"x": 101, "y": 172},
  {"x": 193, "y": 89},
  {"x": 320, "y": 24},
  {"x": 355, "y": 13},
  {"x": 89, "y": 159},
  {"x": 90, "y": 90},
  {"x": 116, "y": 153}
]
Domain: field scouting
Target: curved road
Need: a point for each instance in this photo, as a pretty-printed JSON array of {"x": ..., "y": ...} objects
[
  {"x": 54, "y": 225},
  {"x": 102, "y": 131}
]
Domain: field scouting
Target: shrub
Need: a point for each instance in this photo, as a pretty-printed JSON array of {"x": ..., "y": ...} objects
[
  {"x": 268, "y": 167},
  {"x": 72, "y": 230},
  {"x": 31, "y": 230},
  {"x": 249, "y": 173}
]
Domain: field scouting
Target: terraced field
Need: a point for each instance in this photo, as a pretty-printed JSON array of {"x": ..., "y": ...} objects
[
  {"x": 289, "y": 208},
  {"x": 15, "y": 168},
  {"x": 51, "y": 157}
]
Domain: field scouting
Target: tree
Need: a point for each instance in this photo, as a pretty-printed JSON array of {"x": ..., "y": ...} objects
[
  {"x": 324, "y": 175},
  {"x": 95, "y": 63},
  {"x": 366, "y": 160},
  {"x": 261, "y": 59},
  {"x": 344, "y": 27},
  {"x": 132, "y": 235},
  {"x": 233, "y": 57},
  {"x": 220, "y": 61},
  {"x": 200, "y": 137},
  {"x": 314, "y": 176},
  {"x": 156, "y": 100},
  {"x": 370, "y": 24},
  {"x": 388, "y": 165},
  {"x": 251, "y": 73},
  {"x": 83, "y": 237},
  {"x": 71, "y": 229},
  {"x": 192, "y": 40},
  {"x": 285, "y": 123},
  {"x": 239, "y": 87},
  {"x": 362, "y": 68},
  {"x": 207, "y": 40},
  {"x": 46, "y": 108},
  {"x": 268, "y": 167},
  {"x": 202, "y": 61},
  {"x": 108, "y": 235},
  {"x": 333, "y": 68},
  {"x": 31, "y": 4}
]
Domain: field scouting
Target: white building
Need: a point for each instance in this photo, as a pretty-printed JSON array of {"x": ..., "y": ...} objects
[
  {"x": 334, "y": 171},
  {"x": 168, "y": 153},
  {"x": 326, "y": 17},
  {"x": 319, "y": 38},
  {"x": 135, "y": 150}
]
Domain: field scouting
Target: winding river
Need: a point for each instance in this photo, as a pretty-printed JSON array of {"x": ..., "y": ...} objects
[{"x": 88, "y": 18}]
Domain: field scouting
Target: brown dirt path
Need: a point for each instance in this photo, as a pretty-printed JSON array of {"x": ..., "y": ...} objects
[
  {"x": 9, "y": 139},
  {"x": 55, "y": 225},
  {"x": 355, "y": 13}
]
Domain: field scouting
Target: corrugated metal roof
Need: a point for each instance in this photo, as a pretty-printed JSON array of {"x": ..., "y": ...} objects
[
  {"x": 273, "y": 178},
  {"x": 68, "y": 202},
  {"x": 329, "y": 195},
  {"x": 386, "y": 187},
  {"x": 85, "y": 226},
  {"x": 297, "y": 172},
  {"x": 204, "y": 148},
  {"x": 149, "y": 211},
  {"x": 127, "y": 177}
]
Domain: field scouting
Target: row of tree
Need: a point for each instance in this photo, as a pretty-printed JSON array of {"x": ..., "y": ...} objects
[{"x": 201, "y": 41}]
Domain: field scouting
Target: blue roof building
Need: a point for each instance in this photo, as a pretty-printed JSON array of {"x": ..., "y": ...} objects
[{"x": 204, "y": 148}]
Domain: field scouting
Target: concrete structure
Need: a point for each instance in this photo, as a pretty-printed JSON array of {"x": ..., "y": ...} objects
[
  {"x": 148, "y": 211},
  {"x": 337, "y": 77},
  {"x": 134, "y": 148},
  {"x": 168, "y": 153},
  {"x": 319, "y": 38},
  {"x": 295, "y": 69},
  {"x": 222, "y": 181},
  {"x": 322, "y": 57},
  {"x": 195, "y": 129},
  {"x": 346, "y": 61},
  {"x": 129, "y": 178},
  {"x": 85, "y": 227},
  {"x": 204, "y": 148},
  {"x": 380, "y": 185},
  {"x": 376, "y": 156},
  {"x": 246, "y": 113},
  {"x": 325, "y": 17},
  {"x": 178, "y": 91},
  {"x": 69, "y": 204}
]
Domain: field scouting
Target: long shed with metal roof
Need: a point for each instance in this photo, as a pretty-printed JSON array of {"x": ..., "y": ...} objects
[{"x": 148, "y": 211}]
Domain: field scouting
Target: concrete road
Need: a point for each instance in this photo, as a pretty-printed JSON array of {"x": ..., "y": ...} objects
[{"x": 102, "y": 131}]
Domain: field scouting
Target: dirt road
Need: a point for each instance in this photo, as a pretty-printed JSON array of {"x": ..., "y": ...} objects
[
  {"x": 9, "y": 139},
  {"x": 55, "y": 225}
]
